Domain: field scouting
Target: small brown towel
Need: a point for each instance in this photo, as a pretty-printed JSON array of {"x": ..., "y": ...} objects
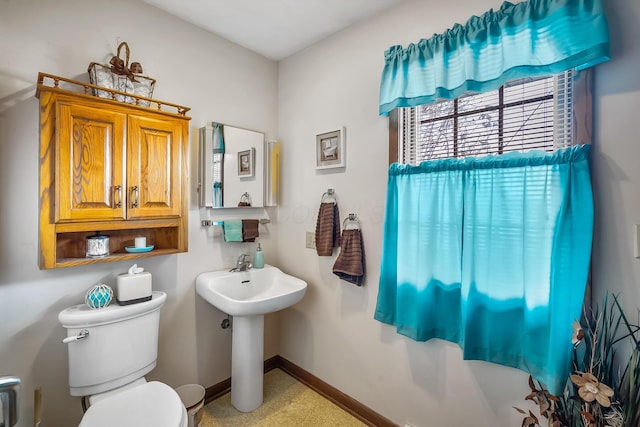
[
  {"x": 349, "y": 265},
  {"x": 250, "y": 230},
  {"x": 327, "y": 229}
]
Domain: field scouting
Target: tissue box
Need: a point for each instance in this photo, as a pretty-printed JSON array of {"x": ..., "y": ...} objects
[{"x": 133, "y": 288}]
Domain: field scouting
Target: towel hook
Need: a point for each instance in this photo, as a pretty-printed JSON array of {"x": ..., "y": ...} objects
[
  {"x": 330, "y": 196},
  {"x": 351, "y": 218}
]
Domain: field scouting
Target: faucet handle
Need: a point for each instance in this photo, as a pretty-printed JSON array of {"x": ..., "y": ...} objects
[{"x": 242, "y": 264}]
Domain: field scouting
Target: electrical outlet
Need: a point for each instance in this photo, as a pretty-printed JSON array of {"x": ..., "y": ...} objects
[{"x": 310, "y": 240}]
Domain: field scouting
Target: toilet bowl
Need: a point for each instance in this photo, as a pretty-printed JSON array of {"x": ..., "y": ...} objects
[
  {"x": 110, "y": 351},
  {"x": 150, "y": 404}
]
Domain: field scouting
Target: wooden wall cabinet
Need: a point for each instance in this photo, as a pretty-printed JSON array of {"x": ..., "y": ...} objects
[{"x": 109, "y": 167}]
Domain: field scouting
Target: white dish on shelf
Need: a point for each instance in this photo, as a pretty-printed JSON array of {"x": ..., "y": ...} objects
[{"x": 133, "y": 249}]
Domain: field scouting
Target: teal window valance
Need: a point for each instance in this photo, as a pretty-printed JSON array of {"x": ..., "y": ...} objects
[{"x": 528, "y": 39}]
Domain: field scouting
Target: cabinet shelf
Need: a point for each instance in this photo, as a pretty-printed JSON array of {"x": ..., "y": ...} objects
[
  {"x": 71, "y": 246},
  {"x": 118, "y": 256},
  {"x": 94, "y": 226}
]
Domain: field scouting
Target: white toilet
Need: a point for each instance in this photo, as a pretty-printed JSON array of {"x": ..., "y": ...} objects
[{"x": 110, "y": 351}]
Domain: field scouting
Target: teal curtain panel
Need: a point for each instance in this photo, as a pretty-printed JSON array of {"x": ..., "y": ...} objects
[{"x": 490, "y": 253}]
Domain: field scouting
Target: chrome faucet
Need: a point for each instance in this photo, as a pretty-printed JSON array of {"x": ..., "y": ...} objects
[{"x": 242, "y": 264}]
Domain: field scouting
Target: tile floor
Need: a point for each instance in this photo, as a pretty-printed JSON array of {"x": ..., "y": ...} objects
[{"x": 287, "y": 402}]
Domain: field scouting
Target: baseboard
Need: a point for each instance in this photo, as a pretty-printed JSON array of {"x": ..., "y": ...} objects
[
  {"x": 347, "y": 403},
  {"x": 217, "y": 390}
]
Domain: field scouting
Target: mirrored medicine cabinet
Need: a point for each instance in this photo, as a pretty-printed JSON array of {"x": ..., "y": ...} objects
[{"x": 237, "y": 168}]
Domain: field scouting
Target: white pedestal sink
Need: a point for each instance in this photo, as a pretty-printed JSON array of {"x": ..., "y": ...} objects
[{"x": 248, "y": 296}]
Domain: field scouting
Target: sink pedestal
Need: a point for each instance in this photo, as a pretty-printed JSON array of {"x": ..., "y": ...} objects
[{"x": 247, "y": 362}]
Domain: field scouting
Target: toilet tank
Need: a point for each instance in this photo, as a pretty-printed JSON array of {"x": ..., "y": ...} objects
[{"x": 121, "y": 346}]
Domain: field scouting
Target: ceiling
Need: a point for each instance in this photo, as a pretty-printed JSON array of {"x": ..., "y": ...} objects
[{"x": 273, "y": 28}]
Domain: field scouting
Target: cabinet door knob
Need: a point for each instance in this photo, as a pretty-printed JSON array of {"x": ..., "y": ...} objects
[
  {"x": 134, "y": 196},
  {"x": 117, "y": 190}
]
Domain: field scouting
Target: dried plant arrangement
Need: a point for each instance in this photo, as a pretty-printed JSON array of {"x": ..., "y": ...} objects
[{"x": 603, "y": 389}]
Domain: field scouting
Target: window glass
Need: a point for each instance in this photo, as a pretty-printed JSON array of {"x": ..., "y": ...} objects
[{"x": 525, "y": 114}]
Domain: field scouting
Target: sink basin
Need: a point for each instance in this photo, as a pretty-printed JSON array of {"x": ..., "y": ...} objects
[{"x": 252, "y": 292}]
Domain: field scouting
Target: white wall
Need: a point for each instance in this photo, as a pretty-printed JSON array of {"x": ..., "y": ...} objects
[
  {"x": 220, "y": 81},
  {"x": 331, "y": 333},
  {"x": 616, "y": 174},
  {"x": 335, "y": 83}
]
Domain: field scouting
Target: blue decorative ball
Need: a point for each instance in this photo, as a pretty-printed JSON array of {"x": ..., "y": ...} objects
[{"x": 99, "y": 296}]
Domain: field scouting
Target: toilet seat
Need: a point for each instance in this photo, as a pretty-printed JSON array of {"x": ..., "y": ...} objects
[{"x": 151, "y": 404}]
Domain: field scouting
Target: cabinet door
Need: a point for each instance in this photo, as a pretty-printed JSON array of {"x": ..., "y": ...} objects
[
  {"x": 154, "y": 172},
  {"x": 89, "y": 163}
]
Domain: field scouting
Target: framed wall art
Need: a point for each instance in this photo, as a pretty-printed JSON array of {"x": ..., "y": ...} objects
[
  {"x": 330, "y": 149},
  {"x": 246, "y": 161}
]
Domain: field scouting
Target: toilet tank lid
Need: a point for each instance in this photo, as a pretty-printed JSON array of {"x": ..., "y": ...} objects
[
  {"x": 150, "y": 404},
  {"x": 82, "y": 315}
]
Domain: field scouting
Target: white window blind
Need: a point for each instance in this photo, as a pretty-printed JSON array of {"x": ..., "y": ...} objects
[{"x": 525, "y": 114}]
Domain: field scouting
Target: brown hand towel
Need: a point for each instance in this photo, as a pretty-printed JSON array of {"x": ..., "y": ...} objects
[
  {"x": 349, "y": 265},
  {"x": 250, "y": 230},
  {"x": 327, "y": 229}
]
